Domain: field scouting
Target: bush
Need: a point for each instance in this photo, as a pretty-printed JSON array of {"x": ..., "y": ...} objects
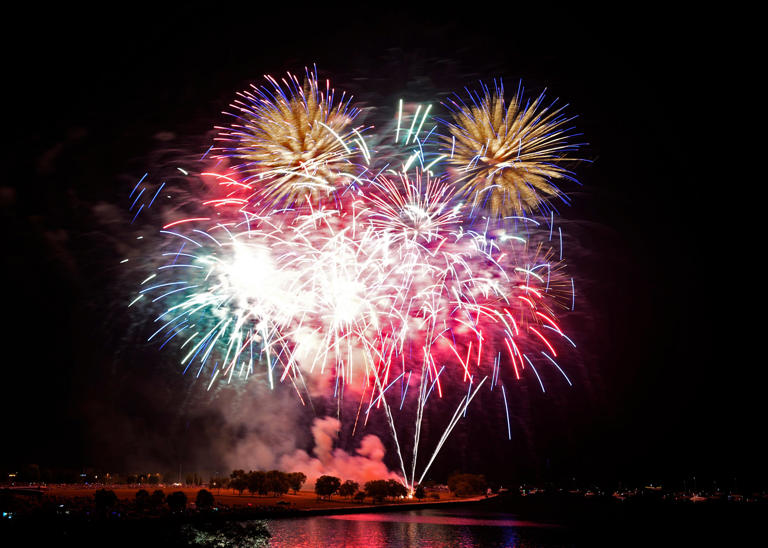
[
  {"x": 157, "y": 498},
  {"x": 227, "y": 534},
  {"x": 142, "y": 499},
  {"x": 204, "y": 499},
  {"x": 177, "y": 501},
  {"x": 104, "y": 498}
]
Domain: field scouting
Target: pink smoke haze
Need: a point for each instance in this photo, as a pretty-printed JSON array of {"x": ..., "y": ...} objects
[{"x": 365, "y": 465}]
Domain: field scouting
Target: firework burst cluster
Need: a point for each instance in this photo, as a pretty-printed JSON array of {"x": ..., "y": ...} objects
[{"x": 385, "y": 268}]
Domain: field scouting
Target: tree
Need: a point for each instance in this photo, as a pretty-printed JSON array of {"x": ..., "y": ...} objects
[
  {"x": 142, "y": 499},
  {"x": 296, "y": 480},
  {"x": 104, "y": 499},
  {"x": 193, "y": 479},
  {"x": 420, "y": 492},
  {"x": 359, "y": 496},
  {"x": 238, "y": 480},
  {"x": 348, "y": 489},
  {"x": 177, "y": 501},
  {"x": 204, "y": 499},
  {"x": 256, "y": 482},
  {"x": 464, "y": 485},
  {"x": 325, "y": 486},
  {"x": 378, "y": 490},
  {"x": 276, "y": 482},
  {"x": 395, "y": 489},
  {"x": 217, "y": 482}
]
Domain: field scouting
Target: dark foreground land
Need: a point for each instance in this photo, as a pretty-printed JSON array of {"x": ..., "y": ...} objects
[
  {"x": 41, "y": 518},
  {"x": 604, "y": 521},
  {"x": 600, "y": 521}
]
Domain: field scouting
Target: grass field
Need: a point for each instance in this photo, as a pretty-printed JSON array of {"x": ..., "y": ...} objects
[{"x": 303, "y": 500}]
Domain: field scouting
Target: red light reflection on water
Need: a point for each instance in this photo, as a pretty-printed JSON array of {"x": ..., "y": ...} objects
[
  {"x": 423, "y": 529},
  {"x": 441, "y": 520}
]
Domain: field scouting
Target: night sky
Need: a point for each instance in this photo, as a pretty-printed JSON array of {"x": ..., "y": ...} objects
[{"x": 670, "y": 385}]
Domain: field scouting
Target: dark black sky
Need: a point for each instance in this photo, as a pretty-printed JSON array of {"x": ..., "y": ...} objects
[{"x": 671, "y": 382}]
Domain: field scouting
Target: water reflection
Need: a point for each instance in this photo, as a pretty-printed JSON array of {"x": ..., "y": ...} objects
[
  {"x": 414, "y": 528},
  {"x": 443, "y": 518}
]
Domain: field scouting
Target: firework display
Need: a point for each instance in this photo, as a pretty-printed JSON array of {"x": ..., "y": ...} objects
[
  {"x": 506, "y": 157},
  {"x": 387, "y": 276}
]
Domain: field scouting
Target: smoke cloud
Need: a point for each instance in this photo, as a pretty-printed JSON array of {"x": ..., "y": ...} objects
[
  {"x": 269, "y": 440},
  {"x": 366, "y": 464}
]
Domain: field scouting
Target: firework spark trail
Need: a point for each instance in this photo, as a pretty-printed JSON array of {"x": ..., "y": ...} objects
[{"x": 374, "y": 287}]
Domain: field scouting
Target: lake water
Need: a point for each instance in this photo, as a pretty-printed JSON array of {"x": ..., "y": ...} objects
[{"x": 430, "y": 527}]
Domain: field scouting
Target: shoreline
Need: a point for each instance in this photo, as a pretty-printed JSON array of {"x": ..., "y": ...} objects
[
  {"x": 226, "y": 500},
  {"x": 90, "y": 526},
  {"x": 77, "y": 505},
  {"x": 391, "y": 507}
]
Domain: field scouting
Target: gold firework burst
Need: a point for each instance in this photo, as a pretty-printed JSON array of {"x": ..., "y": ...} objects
[
  {"x": 291, "y": 142},
  {"x": 505, "y": 158}
]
